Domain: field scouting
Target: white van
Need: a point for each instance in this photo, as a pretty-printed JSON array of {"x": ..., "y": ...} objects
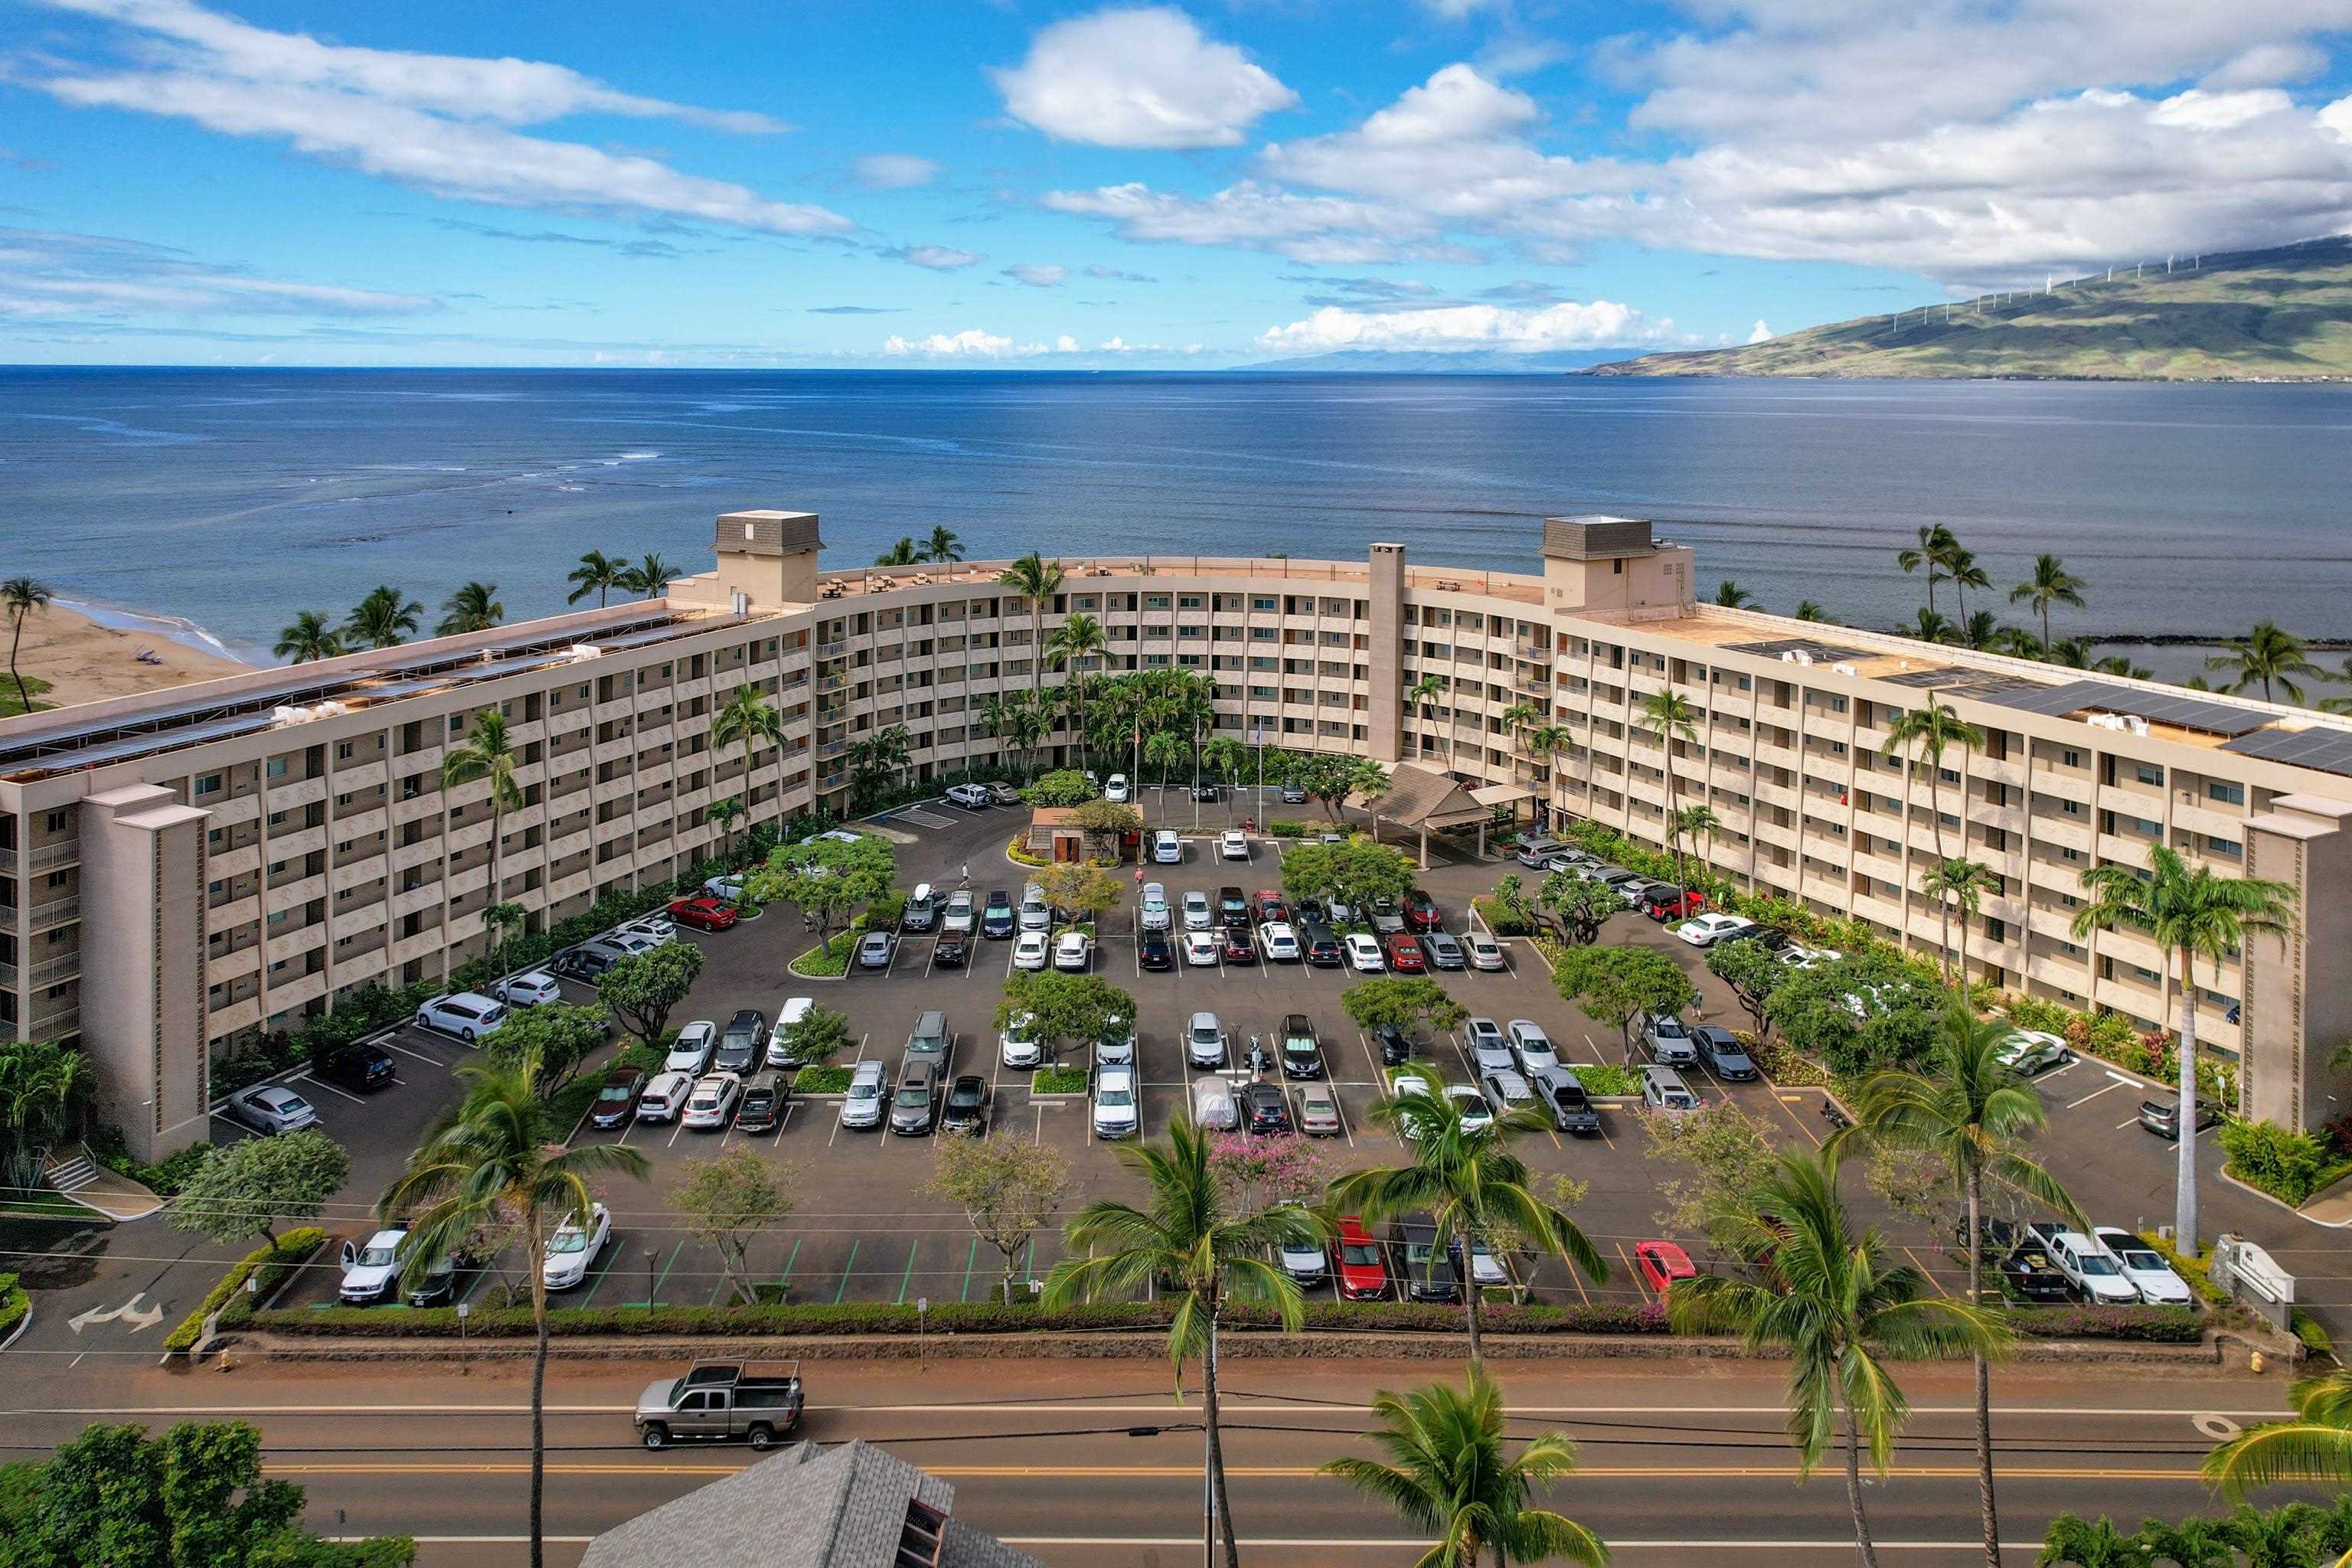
[{"x": 1153, "y": 910}]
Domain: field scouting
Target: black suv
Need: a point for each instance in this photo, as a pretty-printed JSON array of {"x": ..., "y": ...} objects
[
  {"x": 952, "y": 950},
  {"x": 996, "y": 917},
  {"x": 743, "y": 1043},
  {"x": 1232, "y": 909},
  {"x": 1395, "y": 1049},
  {"x": 1428, "y": 1274},
  {"x": 360, "y": 1068}
]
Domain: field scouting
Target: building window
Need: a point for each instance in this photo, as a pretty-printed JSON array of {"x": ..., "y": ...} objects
[
  {"x": 2150, "y": 774},
  {"x": 2229, "y": 848},
  {"x": 277, "y": 767},
  {"x": 2070, "y": 759},
  {"x": 208, "y": 784},
  {"x": 2227, "y": 793},
  {"x": 342, "y": 751}
]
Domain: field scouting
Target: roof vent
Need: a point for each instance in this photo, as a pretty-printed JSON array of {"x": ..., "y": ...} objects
[
  {"x": 584, "y": 651},
  {"x": 1844, "y": 668}
]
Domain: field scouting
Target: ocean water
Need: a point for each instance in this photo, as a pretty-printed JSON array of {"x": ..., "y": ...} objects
[{"x": 233, "y": 499}]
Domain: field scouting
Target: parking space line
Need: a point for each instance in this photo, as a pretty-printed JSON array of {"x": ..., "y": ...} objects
[
  {"x": 2094, "y": 1095},
  {"x": 970, "y": 1259},
  {"x": 843, "y": 1288},
  {"x": 784, "y": 1281},
  {"x": 612, "y": 1254},
  {"x": 1634, "y": 1273},
  {"x": 420, "y": 1056},
  {"x": 322, "y": 1083},
  {"x": 908, "y": 1277},
  {"x": 1925, "y": 1272}
]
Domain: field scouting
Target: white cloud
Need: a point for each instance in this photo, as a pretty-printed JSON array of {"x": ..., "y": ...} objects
[
  {"x": 1037, "y": 274},
  {"x": 1252, "y": 217},
  {"x": 969, "y": 343},
  {"x": 2336, "y": 118},
  {"x": 1603, "y": 323},
  {"x": 1759, "y": 332},
  {"x": 52, "y": 275},
  {"x": 938, "y": 258},
  {"x": 1138, "y": 79},
  {"x": 2266, "y": 65},
  {"x": 438, "y": 122},
  {"x": 894, "y": 171},
  {"x": 1065, "y": 344}
]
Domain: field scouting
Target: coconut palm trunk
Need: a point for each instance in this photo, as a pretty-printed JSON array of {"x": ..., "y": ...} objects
[
  {"x": 1989, "y": 1517},
  {"x": 2184, "y": 1209},
  {"x": 1216, "y": 1444},
  {"x": 1862, "y": 1541}
]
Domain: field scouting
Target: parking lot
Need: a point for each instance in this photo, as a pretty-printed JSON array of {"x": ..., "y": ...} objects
[{"x": 864, "y": 1229}]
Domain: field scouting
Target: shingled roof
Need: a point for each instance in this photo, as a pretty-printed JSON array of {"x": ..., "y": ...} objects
[{"x": 1419, "y": 796}]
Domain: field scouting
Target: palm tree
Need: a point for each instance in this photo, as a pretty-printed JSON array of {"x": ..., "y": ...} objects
[
  {"x": 1732, "y": 596},
  {"x": 309, "y": 639},
  {"x": 1927, "y": 732},
  {"x": 1036, "y": 580},
  {"x": 1693, "y": 823},
  {"x": 386, "y": 618},
  {"x": 1808, "y": 611},
  {"x": 20, "y": 596},
  {"x": 2282, "y": 1538},
  {"x": 2088, "y": 1543},
  {"x": 905, "y": 553},
  {"x": 2329, "y": 704},
  {"x": 1223, "y": 757},
  {"x": 1201, "y": 1255},
  {"x": 2315, "y": 1446},
  {"x": 1962, "y": 884},
  {"x": 2191, "y": 1543},
  {"x": 597, "y": 574},
  {"x": 1428, "y": 690},
  {"x": 1932, "y": 627},
  {"x": 493, "y": 1161},
  {"x": 748, "y": 716},
  {"x": 2191, "y": 915},
  {"x": 726, "y": 813},
  {"x": 1547, "y": 741},
  {"x": 41, "y": 1086},
  {"x": 1839, "y": 1309},
  {"x": 2116, "y": 664},
  {"x": 1447, "y": 1474},
  {"x": 2269, "y": 656},
  {"x": 1669, "y": 716},
  {"x": 1981, "y": 631},
  {"x": 1970, "y": 1111},
  {"x": 943, "y": 545},
  {"x": 1164, "y": 749},
  {"x": 1074, "y": 642},
  {"x": 2051, "y": 583},
  {"x": 1470, "y": 1183},
  {"x": 1520, "y": 715},
  {"x": 472, "y": 608},
  {"x": 484, "y": 754},
  {"x": 651, "y": 576},
  {"x": 1961, "y": 567},
  {"x": 1935, "y": 543}
]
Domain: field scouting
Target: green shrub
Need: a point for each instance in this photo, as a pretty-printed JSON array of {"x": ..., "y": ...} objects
[
  {"x": 1498, "y": 922},
  {"x": 821, "y": 1080},
  {"x": 2307, "y": 1329},
  {"x": 2162, "y": 1325},
  {"x": 1018, "y": 851},
  {"x": 1290, "y": 828},
  {"x": 1058, "y": 1080},
  {"x": 271, "y": 1263},
  {"x": 2287, "y": 1164},
  {"x": 1605, "y": 1078},
  {"x": 14, "y": 1304}
]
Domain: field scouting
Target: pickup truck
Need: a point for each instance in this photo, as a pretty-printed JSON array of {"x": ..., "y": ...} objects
[
  {"x": 721, "y": 1402},
  {"x": 1563, "y": 1095}
]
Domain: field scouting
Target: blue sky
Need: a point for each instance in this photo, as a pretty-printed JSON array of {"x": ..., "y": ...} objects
[{"x": 957, "y": 184}]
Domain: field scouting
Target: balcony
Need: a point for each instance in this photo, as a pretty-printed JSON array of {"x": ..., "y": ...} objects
[
  {"x": 62, "y": 1016},
  {"x": 41, "y": 857},
  {"x": 55, "y": 912},
  {"x": 411, "y": 900}
]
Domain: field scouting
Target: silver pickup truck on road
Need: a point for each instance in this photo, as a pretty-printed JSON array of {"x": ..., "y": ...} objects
[{"x": 721, "y": 1402}]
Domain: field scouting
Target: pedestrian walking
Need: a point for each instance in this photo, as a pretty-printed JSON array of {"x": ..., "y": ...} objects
[{"x": 967, "y": 874}]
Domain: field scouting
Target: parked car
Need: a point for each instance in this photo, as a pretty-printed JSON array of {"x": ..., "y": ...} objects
[
  {"x": 1562, "y": 1093},
  {"x": 1205, "y": 1045},
  {"x": 1664, "y": 1090},
  {"x": 616, "y": 1099},
  {"x": 1035, "y": 914},
  {"x": 966, "y": 1110},
  {"x": 1421, "y": 913},
  {"x": 875, "y": 949},
  {"x": 1386, "y": 919},
  {"x": 1391, "y": 1042},
  {"x": 1154, "y": 950},
  {"x": 1198, "y": 914},
  {"x": 718, "y": 1401},
  {"x": 1302, "y": 1052},
  {"x": 1661, "y": 1263},
  {"x": 1151, "y": 912},
  {"x": 1305, "y": 1261},
  {"x": 742, "y": 1043},
  {"x": 1426, "y": 1272},
  {"x": 1530, "y": 1047},
  {"x": 644, "y": 934},
  {"x": 1319, "y": 946},
  {"x": 996, "y": 916},
  {"x": 1720, "y": 1050},
  {"x": 1264, "y": 1110},
  {"x": 2144, "y": 1267},
  {"x": 690, "y": 1051},
  {"x": 1115, "y": 790},
  {"x": 358, "y": 1067},
  {"x": 1074, "y": 951},
  {"x": 2090, "y": 1269},
  {"x": 1444, "y": 951},
  {"x": 1669, "y": 1041},
  {"x": 1167, "y": 848},
  {"x": 869, "y": 1088},
  {"x": 929, "y": 1041},
  {"x": 1115, "y": 1047},
  {"x": 1238, "y": 947},
  {"x": 1022, "y": 1043},
  {"x": 1201, "y": 947},
  {"x": 1212, "y": 1104},
  {"x": 271, "y": 1109},
  {"x": 1233, "y": 844},
  {"x": 762, "y": 1109},
  {"x": 1508, "y": 1092},
  {"x": 1407, "y": 1082},
  {"x": 1268, "y": 905},
  {"x": 574, "y": 1247},
  {"x": 1281, "y": 943},
  {"x": 971, "y": 796},
  {"x": 1030, "y": 951},
  {"x": 1486, "y": 952},
  {"x": 781, "y": 1052},
  {"x": 952, "y": 950},
  {"x": 1116, "y": 1111},
  {"x": 2028, "y": 1053},
  {"x": 727, "y": 885},
  {"x": 1486, "y": 1270},
  {"x": 1476, "y": 1113},
  {"x": 1233, "y": 908},
  {"x": 1663, "y": 901},
  {"x": 589, "y": 960},
  {"x": 705, "y": 913},
  {"x": 1318, "y": 1111},
  {"x": 1706, "y": 931},
  {"x": 1533, "y": 852},
  {"x": 1293, "y": 792},
  {"x": 531, "y": 989},
  {"x": 1404, "y": 955},
  {"x": 1363, "y": 953},
  {"x": 2026, "y": 1272},
  {"x": 1364, "y": 1272},
  {"x": 922, "y": 909},
  {"x": 665, "y": 1097},
  {"x": 916, "y": 1101},
  {"x": 1004, "y": 793},
  {"x": 2162, "y": 1117},
  {"x": 957, "y": 918},
  {"x": 1208, "y": 791},
  {"x": 712, "y": 1104},
  {"x": 469, "y": 1014},
  {"x": 372, "y": 1269},
  {"x": 1489, "y": 1046}
]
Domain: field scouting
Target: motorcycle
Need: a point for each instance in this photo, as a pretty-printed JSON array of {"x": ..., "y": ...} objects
[
  {"x": 1833, "y": 1115},
  {"x": 1260, "y": 1059}
]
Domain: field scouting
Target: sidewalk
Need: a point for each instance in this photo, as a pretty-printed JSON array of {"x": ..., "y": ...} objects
[{"x": 119, "y": 1198}]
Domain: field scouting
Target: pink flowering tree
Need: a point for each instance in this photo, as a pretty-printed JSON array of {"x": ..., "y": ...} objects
[{"x": 1258, "y": 1173}]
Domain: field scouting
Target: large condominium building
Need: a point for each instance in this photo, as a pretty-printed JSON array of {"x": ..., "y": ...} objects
[{"x": 180, "y": 873}]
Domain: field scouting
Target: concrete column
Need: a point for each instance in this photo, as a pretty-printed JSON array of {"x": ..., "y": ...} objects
[
  {"x": 143, "y": 1022},
  {"x": 1384, "y": 722},
  {"x": 2297, "y": 1006}
]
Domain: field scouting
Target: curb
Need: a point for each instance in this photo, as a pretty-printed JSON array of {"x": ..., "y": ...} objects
[
  {"x": 22, "y": 1323},
  {"x": 2280, "y": 1203}
]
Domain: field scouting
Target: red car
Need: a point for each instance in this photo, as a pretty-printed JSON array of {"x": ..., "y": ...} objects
[
  {"x": 1665, "y": 904},
  {"x": 1405, "y": 956},
  {"x": 1662, "y": 1263},
  {"x": 1270, "y": 907},
  {"x": 703, "y": 914},
  {"x": 1420, "y": 912},
  {"x": 1239, "y": 948},
  {"x": 1363, "y": 1273}
]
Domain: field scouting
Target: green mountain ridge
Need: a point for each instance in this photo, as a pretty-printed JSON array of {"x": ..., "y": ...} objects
[{"x": 2284, "y": 314}]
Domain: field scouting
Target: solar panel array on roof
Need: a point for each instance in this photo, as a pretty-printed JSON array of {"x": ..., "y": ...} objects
[
  {"x": 2328, "y": 750},
  {"x": 1819, "y": 652},
  {"x": 2158, "y": 707}
]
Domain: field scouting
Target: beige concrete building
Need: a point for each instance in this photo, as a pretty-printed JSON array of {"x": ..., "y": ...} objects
[{"x": 179, "y": 873}]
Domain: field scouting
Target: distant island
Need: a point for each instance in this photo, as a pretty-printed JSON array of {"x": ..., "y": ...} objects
[{"x": 2257, "y": 315}]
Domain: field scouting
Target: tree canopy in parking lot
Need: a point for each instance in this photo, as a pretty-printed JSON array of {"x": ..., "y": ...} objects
[
  {"x": 1062, "y": 786},
  {"x": 242, "y": 1189},
  {"x": 1618, "y": 984},
  {"x": 561, "y": 1033},
  {"x": 1008, "y": 1189},
  {"x": 1106, "y": 823},
  {"x": 1727, "y": 1157},
  {"x": 1066, "y": 1006},
  {"x": 728, "y": 1201},
  {"x": 1353, "y": 873},
  {"x": 830, "y": 879},
  {"x": 1900, "y": 1013},
  {"x": 1580, "y": 905},
  {"x": 1404, "y": 1001},
  {"x": 820, "y": 1036},
  {"x": 642, "y": 989},
  {"x": 1087, "y": 892},
  {"x": 1753, "y": 972}
]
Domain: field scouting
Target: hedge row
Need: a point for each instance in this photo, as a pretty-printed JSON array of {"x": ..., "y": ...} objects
[
  {"x": 2289, "y": 1165},
  {"x": 271, "y": 1263},
  {"x": 2157, "y": 1325}
]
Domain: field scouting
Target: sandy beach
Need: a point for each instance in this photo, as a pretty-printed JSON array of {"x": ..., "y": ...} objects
[{"x": 83, "y": 661}]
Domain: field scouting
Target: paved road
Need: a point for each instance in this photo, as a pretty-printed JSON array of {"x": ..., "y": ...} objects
[{"x": 1674, "y": 1459}]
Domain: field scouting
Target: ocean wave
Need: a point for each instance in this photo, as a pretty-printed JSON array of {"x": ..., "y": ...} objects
[{"x": 171, "y": 629}]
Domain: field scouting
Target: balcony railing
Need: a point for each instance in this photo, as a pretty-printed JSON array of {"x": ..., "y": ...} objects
[
  {"x": 45, "y": 858},
  {"x": 57, "y": 912}
]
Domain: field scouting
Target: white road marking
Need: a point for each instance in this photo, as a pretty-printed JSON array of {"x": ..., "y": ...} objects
[{"x": 2094, "y": 1095}]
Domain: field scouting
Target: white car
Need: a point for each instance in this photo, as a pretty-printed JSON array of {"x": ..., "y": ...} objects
[
  {"x": 1029, "y": 952},
  {"x": 2091, "y": 1269},
  {"x": 1151, "y": 913},
  {"x": 271, "y": 1109},
  {"x": 1021, "y": 1045},
  {"x": 713, "y": 1100},
  {"x": 371, "y": 1273},
  {"x": 1477, "y": 1114},
  {"x": 869, "y": 1091},
  {"x": 645, "y": 932},
  {"x": 1278, "y": 942},
  {"x": 1532, "y": 1046},
  {"x": 1035, "y": 913},
  {"x": 1201, "y": 948},
  {"x": 958, "y": 915},
  {"x": 1404, "y": 1082},
  {"x": 1486, "y": 1270},
  {"x": 2145, "y": 1267},
  {"x": 1116, "y": 791},
  {"x": 574, "y": 1249},
  {"x": 469, "y": 1014},
  {"x": 1800, "y": 957},
  {"x": 1706, "y": 931},
  {"x": 1234, "y": 844},
  {"x": 1489, "y": 1049},
  {"x": 1213, "y": 1105},
  {"x": 1486, "y": 952},
  {"x": 530, "y": 990},
  {"x": 975, "y": 796},
  {"x": 1205, "y": 1040},
  {"x": 665, "y": 1097},
  {"x": 727, "y": 885},
  {"x": 1167, "y": 849},
  {"x": 787, "y": 1018},
  {"x": 1364, "y": 955},
  {"x": 1074, "y": 951},
  {"x": 690, "y": 1052},
  {"x": 1116, "y": 1113},
  {"x": 1198, "y": 914}
]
